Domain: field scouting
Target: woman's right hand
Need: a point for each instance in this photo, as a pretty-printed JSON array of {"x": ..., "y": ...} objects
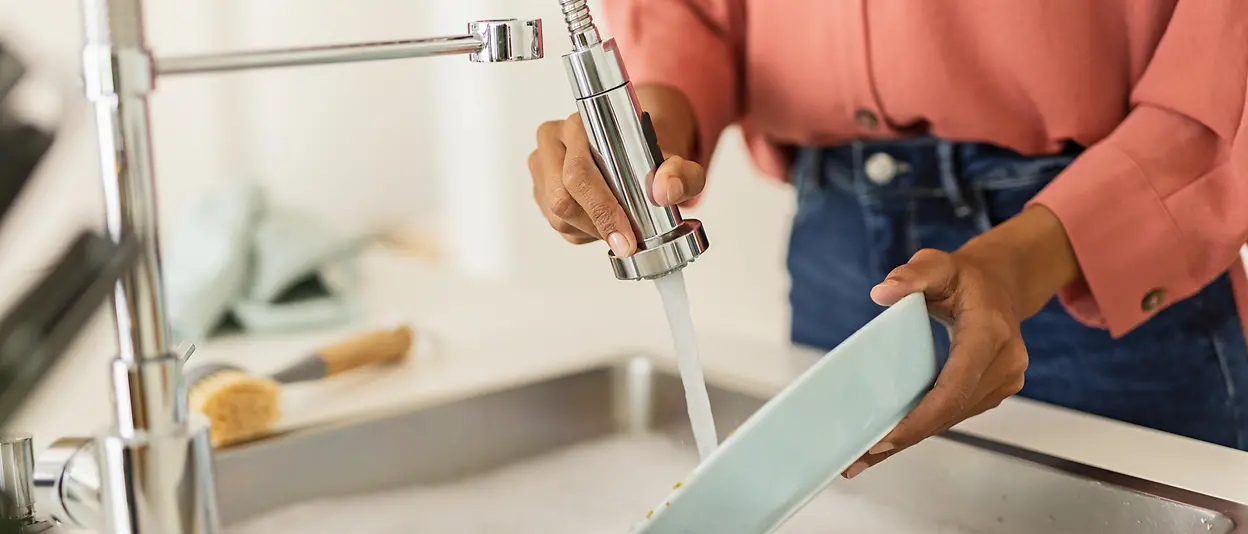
[{"x": 574, "y": 196}]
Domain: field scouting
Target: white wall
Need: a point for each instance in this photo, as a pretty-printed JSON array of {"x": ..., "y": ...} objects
[{"x": 441, "y": 140}]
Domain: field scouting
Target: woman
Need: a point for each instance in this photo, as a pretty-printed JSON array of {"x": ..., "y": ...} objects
[{"x": 989, "y": 154}]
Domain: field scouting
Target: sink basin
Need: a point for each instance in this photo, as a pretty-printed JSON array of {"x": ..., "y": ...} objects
[{"x": 621, "y": 436}]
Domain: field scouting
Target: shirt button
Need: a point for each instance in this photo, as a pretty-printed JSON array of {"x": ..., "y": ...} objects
[
  {"x": 880, "y": 168},
  {"x": 867, "y": 119},
  {"x": 1153, "y": 300}
]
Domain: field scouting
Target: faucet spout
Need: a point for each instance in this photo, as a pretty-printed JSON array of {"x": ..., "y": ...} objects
[
  {"x": 507, "y": 40},
  {"x": 487, "y": 41}
]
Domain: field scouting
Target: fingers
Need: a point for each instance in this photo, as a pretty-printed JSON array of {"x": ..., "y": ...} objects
[
  {"x": 576, "y": 200},
  {"x": 931, "y": 272},
  {"x": 565, "y": 213},
  {"x": 677, "y": 180},
  {"x": 977, "y": 342},
  {"x": 546, "y": 167},
  {"x": 984, "y": 353},
  {"x": 993, "y": 400},
  {"x": 935, "y": 274},
  {"x": 588, "y": 193},
  {"x": 562, "y": 210},
  {"x": 952, "y": 395},
  {"x": 1010, "y": 372},
  {"x": 987, "y": 357},
  {"x": 867, "y": 460}
]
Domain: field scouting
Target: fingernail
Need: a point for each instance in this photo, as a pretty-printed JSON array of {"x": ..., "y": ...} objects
[
  {"x": 675, "y": 190},
  {"x": 881, "y": 448},
  {"x": 620, "y": 245},
  {"x": 855, "y": 470},
  {"x": 879, "y": 293}
]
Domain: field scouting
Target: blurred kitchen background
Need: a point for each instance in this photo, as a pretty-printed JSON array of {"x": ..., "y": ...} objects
[{"x": 393, "y": 146}]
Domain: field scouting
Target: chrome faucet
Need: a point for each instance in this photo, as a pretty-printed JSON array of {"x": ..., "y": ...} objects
[
  {"x": 626, "y": 150},
  {"x": 151, "y": 472}
]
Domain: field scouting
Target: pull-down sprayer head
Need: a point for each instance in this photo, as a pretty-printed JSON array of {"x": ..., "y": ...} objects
[{"x": 624, "y": 146}]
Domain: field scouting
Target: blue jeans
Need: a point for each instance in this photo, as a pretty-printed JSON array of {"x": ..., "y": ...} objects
[{"x": 1185, "y": 371}]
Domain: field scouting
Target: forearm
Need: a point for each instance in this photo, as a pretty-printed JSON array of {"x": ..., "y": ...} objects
[{"x": 1030, "y": 254}]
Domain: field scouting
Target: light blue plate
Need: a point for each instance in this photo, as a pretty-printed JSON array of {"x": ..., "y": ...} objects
[{"x": 801, "y": 440}]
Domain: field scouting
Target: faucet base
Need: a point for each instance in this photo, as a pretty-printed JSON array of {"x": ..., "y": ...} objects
[
  {"x": 673, "y": 252},
  {"x": 165, "y": 481},
  {"x": 171, "y": 489},
  {"x": 67, "y": 483}
]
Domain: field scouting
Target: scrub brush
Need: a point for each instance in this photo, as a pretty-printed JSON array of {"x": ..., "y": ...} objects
[{"x": 242, "y": 406}]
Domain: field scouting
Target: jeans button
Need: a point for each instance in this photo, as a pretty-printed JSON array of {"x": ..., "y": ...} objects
[
  {"x": 880, "y": 168},
  {"x": 867, "y": 119}
]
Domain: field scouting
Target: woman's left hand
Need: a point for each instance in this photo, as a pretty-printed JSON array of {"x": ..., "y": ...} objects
[{"x": 982, "y": 292}]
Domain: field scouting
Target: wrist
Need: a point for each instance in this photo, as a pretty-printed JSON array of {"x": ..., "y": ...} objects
[{"x": 1029, "y": 254}]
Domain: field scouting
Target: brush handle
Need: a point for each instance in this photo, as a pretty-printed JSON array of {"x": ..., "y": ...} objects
[
  {"x": 377, "y": 347},
  {"x": 382, "y": 346}
]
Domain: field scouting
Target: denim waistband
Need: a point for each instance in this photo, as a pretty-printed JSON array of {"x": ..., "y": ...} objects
[
  {"x": 929, "y": 163},
  {"x": 926, "y": 167}
]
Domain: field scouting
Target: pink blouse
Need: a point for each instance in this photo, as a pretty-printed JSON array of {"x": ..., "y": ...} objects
[{"x": 1156, "y": 208}]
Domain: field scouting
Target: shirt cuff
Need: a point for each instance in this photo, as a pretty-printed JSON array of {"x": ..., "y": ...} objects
[{"x": 1128, "y": 247}]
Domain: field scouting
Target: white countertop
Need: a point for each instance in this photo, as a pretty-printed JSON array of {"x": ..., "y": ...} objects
[{"x": 480, "y": 336}]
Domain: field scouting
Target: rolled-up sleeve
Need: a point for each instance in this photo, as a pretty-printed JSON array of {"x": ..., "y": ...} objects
[
  {"x": 1158, "y": 210},
  {"x": 692, "y": 45}
]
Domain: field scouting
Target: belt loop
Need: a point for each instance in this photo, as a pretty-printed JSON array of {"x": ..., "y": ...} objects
[
  {"x": 859, "y": 160},
  {"x": 952, "y": 183},
  {"x": 981, "y": 210},
  {"x": 804, "y": 169},
  {"x": 820, "y": 176},
  {"x": 949, "y": 180}
]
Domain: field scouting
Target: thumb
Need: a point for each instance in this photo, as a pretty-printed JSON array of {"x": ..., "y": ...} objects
[
  {"x": 676, "y": 181},
  {"x": 930, "y": 272}
]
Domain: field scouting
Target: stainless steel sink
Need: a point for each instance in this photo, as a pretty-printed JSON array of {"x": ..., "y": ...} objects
[{"x": 972, "y": 484}]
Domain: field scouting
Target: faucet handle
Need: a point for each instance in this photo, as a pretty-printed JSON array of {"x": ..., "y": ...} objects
[
  {"x": 183, "y": 351},
  {"x": 17, "y": 468}
]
